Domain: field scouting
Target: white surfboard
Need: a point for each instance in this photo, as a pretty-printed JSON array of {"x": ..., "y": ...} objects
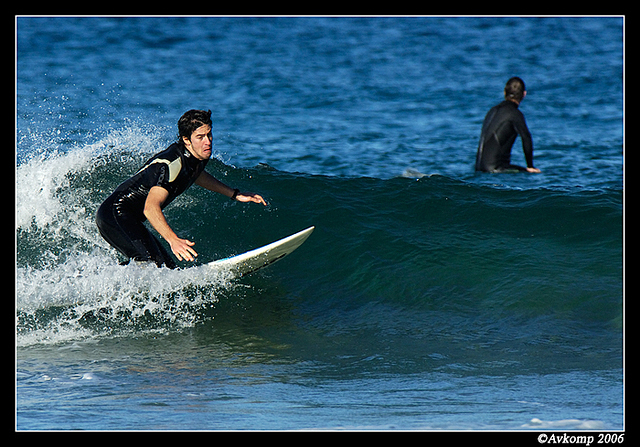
[{"x": 253, "y": 260}]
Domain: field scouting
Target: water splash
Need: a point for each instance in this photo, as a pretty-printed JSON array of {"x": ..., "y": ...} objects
[{"x": 69, "y": 283}]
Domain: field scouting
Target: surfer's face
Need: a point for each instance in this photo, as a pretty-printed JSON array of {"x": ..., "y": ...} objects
[{"x": 200, "y": 142}]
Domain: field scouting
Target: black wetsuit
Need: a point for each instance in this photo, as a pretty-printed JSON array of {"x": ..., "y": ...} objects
[
  {"x": 120, "y": 218},
  {"x": 500, "y": 128}
]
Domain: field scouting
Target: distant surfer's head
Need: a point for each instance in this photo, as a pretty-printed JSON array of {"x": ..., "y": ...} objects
[
  {"x": 192, "y": 120},
  {"x": 515, "y": 90}
]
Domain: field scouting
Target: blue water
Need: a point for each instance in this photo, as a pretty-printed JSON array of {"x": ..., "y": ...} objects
[{"x": 429, "y": 297}]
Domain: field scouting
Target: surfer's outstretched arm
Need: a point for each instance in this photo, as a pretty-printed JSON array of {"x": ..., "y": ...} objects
[{"x": 207, "y": 181}]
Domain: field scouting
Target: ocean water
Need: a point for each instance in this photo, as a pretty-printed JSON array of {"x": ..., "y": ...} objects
[{"x": 429, "y": 297}]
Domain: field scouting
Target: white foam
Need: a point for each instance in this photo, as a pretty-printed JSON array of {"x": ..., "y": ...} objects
[
  {"x": 42, "y": 180},
  {"x": 37, "y": 184},
  {"x": 95, "y": 284},
  {"x": 565, "y": 424}
]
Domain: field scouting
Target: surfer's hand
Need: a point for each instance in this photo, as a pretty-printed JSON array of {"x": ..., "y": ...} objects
[
  {"x": 250, "y": 197},
  {"x": 182, "y": 249}
]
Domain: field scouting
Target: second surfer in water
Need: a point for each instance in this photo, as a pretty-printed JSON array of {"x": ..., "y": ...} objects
[{"x": 502, "y": 124}]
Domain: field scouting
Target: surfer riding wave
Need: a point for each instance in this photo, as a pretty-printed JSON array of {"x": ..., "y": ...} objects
[{"x": 120, "y": 218}]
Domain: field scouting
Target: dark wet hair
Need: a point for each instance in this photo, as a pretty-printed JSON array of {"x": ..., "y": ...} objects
[
  {"x": 191, "y": 120},
  {"x": 514, "y": 89}
]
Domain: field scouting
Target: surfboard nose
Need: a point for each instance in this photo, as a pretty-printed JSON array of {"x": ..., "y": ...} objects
[{"x": 258, "y": 258}]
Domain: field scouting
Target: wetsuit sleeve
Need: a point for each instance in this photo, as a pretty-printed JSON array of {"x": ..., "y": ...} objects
[
  {"x": 157, "y": 175},
  {"x": 527, "y": 143}
]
